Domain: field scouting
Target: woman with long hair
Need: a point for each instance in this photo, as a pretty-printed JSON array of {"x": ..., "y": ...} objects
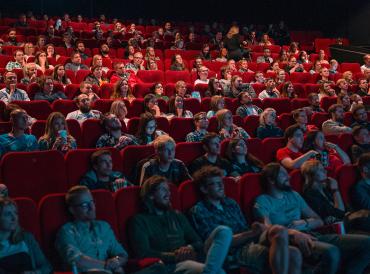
[
  {"x": 50, "y": 52},
  {"x": 288, "y": 91},
  {"x": 19, "y": 250},
  {"x": 176, "y": 108},
  {"x": 226, "y": 127},
  {"x": 56, "y": 136},
  {"x": 147, "y": 131},
  {"x": 42, "y": 62},
  {"x": 177, "y": 63},
  {"x": 151, "y": 105},
  {"x": 240, "y": 159},
  {"x": 158, "y": 91},
  {"x": 59, "y": 75},
  {"x": 214, "y": 88},
  {"x": 96, "y": 76},
  {"x": 119, "y": 109},
  {"x": 122, "y": 90}
]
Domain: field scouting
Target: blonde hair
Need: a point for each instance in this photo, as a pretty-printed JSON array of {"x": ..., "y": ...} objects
[
  {"x": 232, "y": 31},
  {"x": 117, "y": 91},
  {"x": 16, "y": 236},
  {"x": 213, "y": 105},
  {"x": 49, "y": 129},
  {"x": 95, "y": 57},
  {"x": 264, "y": 114},
  {"x": 220, "y": 115},
  {"x": 309, "y": 170},
  {"x": 26, "y": 67},
  {"x": 162, "y": 140}
]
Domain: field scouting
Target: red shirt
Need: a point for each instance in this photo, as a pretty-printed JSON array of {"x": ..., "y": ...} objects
[{"x": 285, "y": 152}]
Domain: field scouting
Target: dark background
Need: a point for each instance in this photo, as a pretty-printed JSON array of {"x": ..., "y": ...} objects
[{"x": 350, "y": 18}]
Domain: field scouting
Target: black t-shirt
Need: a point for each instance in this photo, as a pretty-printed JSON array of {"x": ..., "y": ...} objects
[{"x": 203, "y": 161}]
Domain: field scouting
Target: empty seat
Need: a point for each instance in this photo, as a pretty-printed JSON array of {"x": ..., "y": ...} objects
[
  {"x": 318, "y": 118},
  {"x": 250, "y": 189},
  {"x": 285, "y": 120},
  {"x": 142, "y": 89},
  {"x": 103, "y": 105},
  {"x": 251, "y": 123},
  {"x": 354, "y": 67},
  {"x": 27, "y": 214},
  {"x": 38, "y": 128},
  {"x": 42, "y": 172},
  {"x": 300, "y": 77},
  {"x": 347, "y": 176},
  {"x": 326, "y": 102},
  {"x": 299, "y": 103}
]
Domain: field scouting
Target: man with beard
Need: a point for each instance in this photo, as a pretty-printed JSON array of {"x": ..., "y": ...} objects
[
  {"x": 359, "y": 115},
  {"x": 113, "y": 136},
  {"x": 161, "y": 232},
  {"x": 164, "y": 163},
  {"x": 237, "y": 86},
  {"x": 11, "y": 93},
  {"x": 101, "y": 175},
  {"x": 104, "y": 50},
  {"x": 281, "y": 205},
  {"x": 201, "y": 125},
  {"x": 84, "y": 111},
  {"x": 335, "y": 125},
  {"x": 271, "y": 91},
  {"x": 76, "y": 63},
  {"x": 12, "y": 39},
  {"x": 80, "y": 48},
  {"x": 122, "y": 73},
  {"x": 246, "y": 107},
  {"x": 361, "y": 144},
  {"x": 258, "y": 247},
  {"x": 85, "y": 242},
  {"x": 290, "y": 156}
]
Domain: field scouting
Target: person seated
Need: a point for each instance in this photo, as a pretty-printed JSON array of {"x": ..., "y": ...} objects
[
  {"x": 203, "y": 76},
  {"x": 259, "y": 78},
  {"x": 237, "y": 86},
  {"x": 176, "y": 108},
  {"x": 119, "y": 109},
  {"x": 104, "y": 50},
  {"x": 76, "y": 241},
  {"x": 12, "y": 39},
  {"x": 68, "y": 41},
  {"x": 177, "y": 63},
  {"x": 96, "y": 76},
  {"x": 56, "y": 136},
  {"x": 266, "y": 57},
  {"x": 42, "y": 62},
  {"x": 87, "y": 88},
  {"x": 361, "y": 191},
  {"x": 322, "y": 57},
  {"x": 366, "y": 64},
  {"x": 314, "y": 103},
  {"x": 226, "y": 127},
  {"x": 97, "y": 60},
  {"x": 240, "y": 159},
  {"x": 287, "y": 91},
  {"x": 348, "y": 77},
  {"x": 215, "y": 209},
  {"x": 84, "y": 111},
  {"x": 294, "y": 66},
  {"x": 335, "y": 124},
  {"x": 51, "y": 53},
  {"x": 181, "y": 89},
  {"x": 361, "y": 144},
  {"x": 359, "y": 115},
  {"x": 271, "y": 91},
  {"x": 151, "y": 229},
  {"x": 147, "y": 130},
  {"x": 246, "y": 107},
  {"x": 76, "y": 63},
  {"x": 178, "y": 43},
  {"x": 324, "y": 75},
  {"x": 300, "y": 117},
  {"x": 293, "y": 48},
  {"x": 122, "y": 90},
  {"x": 222, "y": 56},
  {"x": 333, "y": 69},
  {"x": 29, "y": 74},
  {"x": 4, "y": 192},
  {"x": 330, "y": 155},
  {"x": 136, "y": 64},
  {"x": 47, "y": 91},
  {"x": 344, "y": 100},
  {"x": 205, "y": 53},
  {"x": 290, "y": 156},
  {"x": 80, "y": 48},
  {"x": 101, "y": 175},
  {"x": 150, "y": 54},
  {"x": 303, "y": 57},
  {"x": 316, "y": 67},
  {"x": 217, "y": 103},
  {"x": 211, "y": 145},
  {"x": 151, "y": 105},
  {"x": 198, "y": 63},
  {"x": 122, "y": 74},
  {"x": 19, "y": 250},
  {"x": 157, "y": 90},
  {"x": 201, "y": 125},
  {"x": 18, "y": 62},
  {"x": 342, "y": 86},
  {"x": 363, "y": 87},
  {"x": 280, "y": 205},
  {"x": 280, "y": 77},
  {"x": 243, "y": 66},
  {"x": 274, "y": 67},
  {"x": 268, "y": 127},
  {"x": 60, "y": 77},
  {"x": 22, "y": 21},
  {"x": 17, "y": 139},
  {"x": 164, "y": 163},
  {"x": 151, "y": 65},
  {"x": 325, "y": 90}
]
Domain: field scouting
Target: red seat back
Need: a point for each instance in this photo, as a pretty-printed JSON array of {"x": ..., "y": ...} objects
[
  {"x": 281, "y": 105},
  {"x": 251, "y": 123},
  {"x": 91, "y": 130},
  {"x": 347, "y": 176},
  {"x": 180, "y": 127},
  {"x": 37, "y": 109},
  {"x": 28, "y": 216},
  {"x": 151, "y": 76},
  {"x": 188, "y": 152},
  {"x": 318, "y": 118},
  {"x": 174, "y": 76},
  {"x": 270, "y": 147},
  {"x": 64, "y": 106},
  {"x": 131, "y": 155},
  {"x": 38, "y": 128},
  {"x": 250, "y": 189}
]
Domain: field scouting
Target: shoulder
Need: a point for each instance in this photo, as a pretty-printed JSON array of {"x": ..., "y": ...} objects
[{"x": 198, "y": 208}]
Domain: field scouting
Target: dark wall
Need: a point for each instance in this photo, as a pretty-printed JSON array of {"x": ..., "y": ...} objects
[{"x": 334, "y": 17}]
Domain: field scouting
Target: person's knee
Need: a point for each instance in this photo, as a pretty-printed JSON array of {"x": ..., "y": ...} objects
[
  {"x": 295, "y": 257},
  {"x": 223, "y": 233},
  {"x": 331, "y": 255},
  {"x": 278, "y": 233}
]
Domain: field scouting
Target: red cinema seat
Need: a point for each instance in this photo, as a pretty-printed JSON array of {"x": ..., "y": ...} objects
[
  {"x": 27, "y": 214},
  {"x": 309, "y": 88},
  {"x": 213, "y": 125},
  {"x": 201, "y": 88},
  {"x": 5, "y": 127},
  {"x": 103, "y": 105},
  {"x": 354, "y": 67},
  {"x": 136, "y": 108},
  {"x": 205, "y": 104},
  {"x": 174, "y": 76},
  {"x": 37, "y": 109},
  {"x": 180, "y": 127},
  {"x": 43, "y": 172},
  {"x": 258, "y": 88},
  {"x": 188, "y": 152},
  {"x": 299, "y": 103},
  {"x": 281, "y": 105},
  {"x": 78, "y": 163},
  {"x": 270, "y": 147},
  {"x": 64, "y": 106},
  {"x": 251, "y": 123},
  {"x": 192, "y": 104},
  {"x": 299, "y": 89},
  {"x": 345, "y": 141},
  {"x": 300, "y": 77},
  {"x": 74, "y": 129},
  {"x": 296, "y": 180},
  {"x": 285, "y": 120},
  {"x": 133, "y": 124},
  {"x": 250, "y": 189},
  {"x": 151, "y": 76},
  {"x": 318, "y": 118},
  {"x": 347, "y": 176},
  {"x": 106, "y": 90},
  {"x": 91, "y": 130},
  {"x": 132, "y": 155},
  {"x": 38, "y": 128},
  {"x": 189, "y": 193},
  {"x": 71, "y": 90},
  {"x": 170, "y": 89},
  {"x": 326, "y": 102},
  {"x": 247, "y": 77},
  {"x": 142, "y": 89},
  {"x": 81, "y": 75}
]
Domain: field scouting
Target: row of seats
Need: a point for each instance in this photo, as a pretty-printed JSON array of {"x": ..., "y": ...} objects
[
  {"x": 45, "y": 172},
  {"x": 45, "y": 218}
]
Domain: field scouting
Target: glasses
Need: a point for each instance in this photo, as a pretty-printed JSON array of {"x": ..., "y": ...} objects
[{"x": 86, "y": 205}]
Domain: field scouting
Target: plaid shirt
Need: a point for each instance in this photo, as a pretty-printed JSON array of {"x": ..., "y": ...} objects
[
  {"x": 133, "y": 67},
  {"x": 195, "y": 136},
  {"x": 81, "y": 117},
  {"x": 244, "y": 111},
  {"x": 18, "y": 95},
  {"x": 13, "y": 65}
]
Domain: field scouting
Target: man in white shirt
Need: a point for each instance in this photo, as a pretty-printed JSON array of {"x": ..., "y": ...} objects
[
  {"x": 11, "y": 92},
  {"x": 84, "y": 111},
  {"x": 335, "y": 124},
  {"x": 270, "y": 91},
  {"x": 203, "y": 76}
]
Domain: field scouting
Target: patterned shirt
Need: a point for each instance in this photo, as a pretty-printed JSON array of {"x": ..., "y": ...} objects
[
  {"x": 81, "y": 117},
  {"x": 25, "y": 142},
  {"x": 18, "y": 95},
  {"x": 265, "y": 94},
  {"x": 95, "y": 240},
  {"x": 50, "y": 97},
  {"x": 206, "y": 217},
  {"x": 107, "y": 140},
  {"x": 244, "y": 111},
  {"x": 176, "y": 173},
  {"x": 195, "y": 136},
  {"x": 133, "y": 67},
  {"x": 13, "y": 65},
  {"x": 237, "y": 132}
]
